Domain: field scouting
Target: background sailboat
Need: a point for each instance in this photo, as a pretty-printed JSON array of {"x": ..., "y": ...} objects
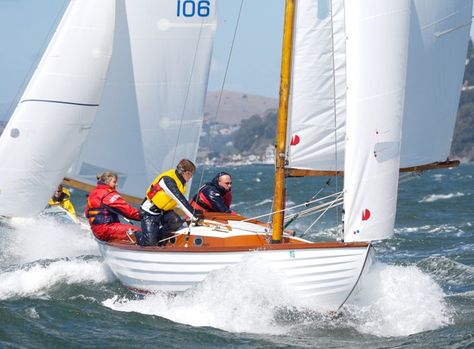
[
  {"x": 55, "y": 113},
  {"x": 153, "y": 103}
]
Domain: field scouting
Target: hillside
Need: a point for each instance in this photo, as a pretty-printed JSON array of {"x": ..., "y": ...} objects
[{"x": 235, "y": 107}]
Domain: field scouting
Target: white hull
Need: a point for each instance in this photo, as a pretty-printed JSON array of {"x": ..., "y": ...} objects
[{"x": 322, "y": 276}]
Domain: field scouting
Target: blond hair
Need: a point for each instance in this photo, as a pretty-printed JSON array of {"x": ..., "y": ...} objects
[{"x": 106, "y": 177}]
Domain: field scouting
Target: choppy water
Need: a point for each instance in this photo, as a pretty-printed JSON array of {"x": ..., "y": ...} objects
[{"x": 55, "y": 291}]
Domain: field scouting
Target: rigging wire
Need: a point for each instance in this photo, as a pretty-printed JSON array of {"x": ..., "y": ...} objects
[
  {"x": 187, "y": 90},
  {"x": 201, "y": 180},
  {"x": 337, "y": 200},
  {"x": 307, "y": 203}
]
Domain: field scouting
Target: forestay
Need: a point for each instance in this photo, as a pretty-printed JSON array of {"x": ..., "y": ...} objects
[
  {"x": 54, "y": 115},
  {"x": 152, "y": 109}
]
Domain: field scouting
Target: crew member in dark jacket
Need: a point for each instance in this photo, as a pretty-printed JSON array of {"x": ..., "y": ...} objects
[
  {"x": 162, "y": 196},
  {"x": 216, "y": 195},
  {"x": 104, "y": 205}
]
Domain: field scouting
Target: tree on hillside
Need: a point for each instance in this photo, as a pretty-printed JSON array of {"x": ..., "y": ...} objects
[
  {"x": 463, "y": 142},
  {"x": 247, "y": 135},
  {"x": 256, "y": 133},
  {"x": 469, "y": 70}
]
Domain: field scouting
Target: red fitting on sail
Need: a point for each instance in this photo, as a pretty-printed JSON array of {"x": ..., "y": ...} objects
[{"x": 365, "y": 214}]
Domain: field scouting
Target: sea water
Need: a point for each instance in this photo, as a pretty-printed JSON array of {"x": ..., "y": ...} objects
[{"x": 56, "y": 292}]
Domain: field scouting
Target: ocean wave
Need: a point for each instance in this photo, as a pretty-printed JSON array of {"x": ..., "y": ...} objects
[
  {"x": 44, "y": 238},
  {"x": 436, "y": 197},
  {"x": 392, "y": 301},
  {"x": 398, "y": 301},
  {"x": 264, "y": 202},
  {"x": 458, "y": 230},
  {"x": 37, "y": 279},
  {"x": 447, "y": 271}
]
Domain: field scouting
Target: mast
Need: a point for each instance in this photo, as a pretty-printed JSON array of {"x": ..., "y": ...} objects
[{"x": 280, "y": 144}]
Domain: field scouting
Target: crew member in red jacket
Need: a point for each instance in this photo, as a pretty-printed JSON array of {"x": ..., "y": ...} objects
[{"x": 104, "y": 205}]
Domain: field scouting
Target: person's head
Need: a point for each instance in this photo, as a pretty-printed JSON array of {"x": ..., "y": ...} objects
[
  {"x": 109, "y": 178},
  {"x": 186, "y": 169},
  {"x": 58, "y": 191},
  {"x": 224, "y": 180}
]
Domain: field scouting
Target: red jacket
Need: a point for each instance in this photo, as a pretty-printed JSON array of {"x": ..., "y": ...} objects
[{"x": 105, "y": 204}]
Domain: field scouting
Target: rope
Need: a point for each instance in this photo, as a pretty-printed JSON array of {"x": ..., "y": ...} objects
[
  {"x": 338, "y": 199},
  {"x": 307, "y": 203},
  {"x": 201, "y": 180}
]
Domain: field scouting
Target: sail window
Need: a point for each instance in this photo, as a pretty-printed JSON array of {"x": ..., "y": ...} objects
[
  {"x": 323, "y": 9},
  {"x": 384, "y": 151}
]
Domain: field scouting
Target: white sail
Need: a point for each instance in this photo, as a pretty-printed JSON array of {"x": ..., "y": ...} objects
[
  {"x": 54, "y": 115},
  {"x": 152, "y": 109},
  {"x": 375, "y": 100},
  {"x": 439, "y": 34},
  {"x": 317, "y": 91}
]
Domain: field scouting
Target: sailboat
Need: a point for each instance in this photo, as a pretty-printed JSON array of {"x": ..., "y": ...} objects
[
  {"x": 54, "y": 115},
  {"x": 361, "y": 88}
]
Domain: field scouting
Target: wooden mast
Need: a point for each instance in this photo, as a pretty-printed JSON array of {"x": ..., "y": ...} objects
[{"x": 280, "y": 146}]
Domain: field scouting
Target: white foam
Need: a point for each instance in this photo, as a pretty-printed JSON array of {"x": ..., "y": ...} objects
[
  {"x": 45, "y": 238},
  {"x": 40, "y": 254},
  {"x": 393, "y": 301},
  {"x": 264, "y": 202},
  {"x": 37, "y": 280},
  {"x": 231, "y": 299},
  {"x": 436, "y": 197},
  {"x": 398, "y": 301}
]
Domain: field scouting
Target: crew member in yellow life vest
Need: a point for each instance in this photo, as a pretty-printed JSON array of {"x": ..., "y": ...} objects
[
  {"x": 61, "y": 197},
  {"x": 162, "y": 196}
]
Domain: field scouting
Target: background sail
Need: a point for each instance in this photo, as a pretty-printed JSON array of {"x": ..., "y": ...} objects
[
  {"x": 439, "y": 34},
  {"x": 375, "y": 97},
  {"x": 153, "y": 103},
  {"x": 317, "y": 91},
  {"x": 53, "y": 117}
]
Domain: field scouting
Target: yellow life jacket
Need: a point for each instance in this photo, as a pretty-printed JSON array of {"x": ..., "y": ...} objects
[{"x": 158, "y": 196}]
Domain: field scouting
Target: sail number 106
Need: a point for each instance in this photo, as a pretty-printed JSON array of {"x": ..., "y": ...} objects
[{"x": 191, "y": 8}]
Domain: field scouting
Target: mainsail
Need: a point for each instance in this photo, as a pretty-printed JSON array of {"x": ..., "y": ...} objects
[
  {"x": 438, "y": 33},
  {"x": 55, "y": 113},
  {"x": 153, "y": 104}
]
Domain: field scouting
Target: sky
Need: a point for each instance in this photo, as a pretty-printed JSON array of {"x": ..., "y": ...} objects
[{"x": 254, "y": 65}]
